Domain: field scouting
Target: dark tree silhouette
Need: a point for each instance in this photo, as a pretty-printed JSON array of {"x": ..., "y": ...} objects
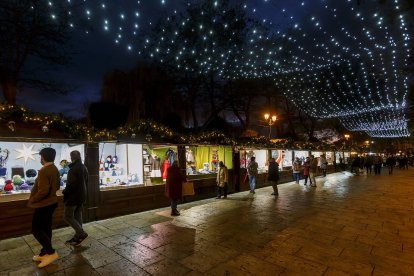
[{"x": 30, "y": 31}]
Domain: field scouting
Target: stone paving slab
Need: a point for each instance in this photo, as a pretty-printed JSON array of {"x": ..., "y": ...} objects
[{"x": 348, "y": 225}]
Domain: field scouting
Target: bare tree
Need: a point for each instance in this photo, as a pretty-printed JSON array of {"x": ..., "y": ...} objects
[{"x": 31, "y": 30}]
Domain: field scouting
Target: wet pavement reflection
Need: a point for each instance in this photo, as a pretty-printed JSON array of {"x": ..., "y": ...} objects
[{"x": 347, "y": 225}]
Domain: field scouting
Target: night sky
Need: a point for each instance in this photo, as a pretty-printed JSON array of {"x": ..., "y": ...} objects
[
  {"x": 335, "y": 57},
  {"x": 97, "y": 54}
]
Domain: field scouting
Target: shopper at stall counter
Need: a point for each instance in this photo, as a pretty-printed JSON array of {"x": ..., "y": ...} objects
[
  {"x": 222, "y": 180},
  {"x": 273, "y": 175},
  {"x": 74, "y": 196},
  {"x": 174, "y": 186},
  {"x": 252, "y": 171},
  {"x": 43, "y": 200}
]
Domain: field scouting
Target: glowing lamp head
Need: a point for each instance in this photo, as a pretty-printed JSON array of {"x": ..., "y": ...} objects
[
  {"x": 274, "y": 118},
  {"x": 266, "y": 116}
]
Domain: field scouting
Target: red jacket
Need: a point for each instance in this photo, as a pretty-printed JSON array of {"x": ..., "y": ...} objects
[{"x": 174, "y": 185}]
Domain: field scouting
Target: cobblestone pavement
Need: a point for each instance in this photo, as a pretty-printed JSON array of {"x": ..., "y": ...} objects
[{"x": 358, "y": 225}]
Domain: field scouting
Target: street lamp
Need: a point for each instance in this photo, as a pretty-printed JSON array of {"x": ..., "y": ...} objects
[{"x": 270, "y": 121}]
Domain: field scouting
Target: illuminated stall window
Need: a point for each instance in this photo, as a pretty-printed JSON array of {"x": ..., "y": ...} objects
[
  {"x": 261, "y": 159},
  {"x": 301, "y": 154},
  {"x": 157, "y": 159},
  {"x": 120, "y": 165},
  {"x": 20, "y": 162},
  {"x": 204, "y": 160}
]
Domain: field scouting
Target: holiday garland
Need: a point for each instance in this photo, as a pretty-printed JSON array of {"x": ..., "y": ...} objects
[{"x": 148, "y": 130}]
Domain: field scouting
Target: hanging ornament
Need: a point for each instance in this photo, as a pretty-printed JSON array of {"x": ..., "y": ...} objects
[
  {"x": 11, "y": 125},
  {"x": 26, "y": 153},
  {"x": 133, "y": 135},
  {"x": 148, "y": 137},
  {"x": 45, "y": 129}
]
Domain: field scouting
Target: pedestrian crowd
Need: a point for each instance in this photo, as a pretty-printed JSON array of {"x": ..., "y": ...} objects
[{"x": 43, "y": 197}]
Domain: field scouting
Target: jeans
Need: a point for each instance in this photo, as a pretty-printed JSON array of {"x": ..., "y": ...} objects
[
  {"x": 221, "y": 190},
  {"x": 296, "y": 177},
  {"x": 73, "y": 217},
  {"x": 306, "y": 177},
  {"x": 274, "y": 185},
  {"x": 312, "y": 178},
  {"x": 369, "y": 169},
  {"x": 42, "y": 228},
  {"x": 390, "y": 169},
  {"x": 174, "y": 204},
  {"x": 252, "y": 182}
]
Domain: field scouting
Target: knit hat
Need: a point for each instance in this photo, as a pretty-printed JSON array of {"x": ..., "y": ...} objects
[
  {"x": 8, "y": 187},
  {"x": 31, "y": 173},
  {"x": 24, "y": 187}
]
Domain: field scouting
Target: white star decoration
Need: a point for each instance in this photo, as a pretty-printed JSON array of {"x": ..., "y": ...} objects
[{"x": 26, "y": 153}]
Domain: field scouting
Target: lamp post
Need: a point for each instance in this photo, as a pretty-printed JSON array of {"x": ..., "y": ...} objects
[{"x": 270, "y": 121}]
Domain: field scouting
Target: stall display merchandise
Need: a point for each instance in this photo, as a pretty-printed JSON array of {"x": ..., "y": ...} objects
[
  {"x": 261, "y": 159},
  {"x": 347, "y": 158},
  {"x": 301, "y": 155},
  {"x": 339, "y": 157},
  {"x": 156, "y": 161},
  {"x": 330, "y": 157},
  {"x": 120, "y": 165},
  {"x": 203, "y": 161},
  {"x": 20, "y": 161},
  {"x": 287, "y": 159}
]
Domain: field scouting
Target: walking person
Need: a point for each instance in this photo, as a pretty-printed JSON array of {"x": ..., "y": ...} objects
[
  {"x": 252, "y": 173},
  {"x": 306, "y": 167},
  {"x": 74, "y": 196},
  {"x": 174, "y": 186},
  {"x": 222, "y": 180},
  {"x": 377, "y": 164},
  {"x": 368, "y": 164},
  {"x": 273, "y": 175},
  {"x": 43, "y": 200},
  {"x": 323, "y": 164},
  {"x": 296, "y": 170},
  {"x": 391, "y": 163},
  {"x": 313, "y": 170}
]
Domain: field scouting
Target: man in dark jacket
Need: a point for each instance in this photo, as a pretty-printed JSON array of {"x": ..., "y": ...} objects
[
  {"x": 74, "y": 195},
  {"x": 273, "y": 175}
]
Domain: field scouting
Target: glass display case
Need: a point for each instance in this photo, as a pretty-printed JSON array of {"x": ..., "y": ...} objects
[
  {"x": 301, "y": 154},
  {"x": 156, "y": 160},
  {"x": 330, "y": 157},
  {"x": 20, "y": 162},
  {"x": 261, "y": 159},
  {"x": 204, "y": 160},
  {"x": 120, "y": 165}
]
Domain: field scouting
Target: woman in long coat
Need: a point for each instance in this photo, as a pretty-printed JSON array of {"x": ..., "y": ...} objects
[{"x": 174, "y": 186}]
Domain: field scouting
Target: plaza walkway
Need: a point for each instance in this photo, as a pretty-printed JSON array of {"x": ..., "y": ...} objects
[{"x": 348, "y": 225}]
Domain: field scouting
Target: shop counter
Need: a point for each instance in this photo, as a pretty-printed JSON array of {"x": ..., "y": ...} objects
[{"x": 16, "y": 217}]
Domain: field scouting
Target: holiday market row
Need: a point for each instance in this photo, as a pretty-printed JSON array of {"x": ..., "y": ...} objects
[{"x": 123, "y": 165}]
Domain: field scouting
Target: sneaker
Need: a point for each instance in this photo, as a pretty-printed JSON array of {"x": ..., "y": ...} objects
[
  {"x": 176, "y": 213},
  {"x": 72, "y": 240},
  {"x": 48, "y": 259},
  {"x": 80, "y": 240},
  {"x": 37, "y": 258}
]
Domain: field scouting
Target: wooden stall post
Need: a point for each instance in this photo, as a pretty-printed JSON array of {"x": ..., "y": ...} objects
[
  {"x": 236, "y": 170},
  {"x": 92, "y": 163}
]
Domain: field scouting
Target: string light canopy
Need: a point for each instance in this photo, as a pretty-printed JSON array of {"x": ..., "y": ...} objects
[{"x": 332, "y": 58}]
